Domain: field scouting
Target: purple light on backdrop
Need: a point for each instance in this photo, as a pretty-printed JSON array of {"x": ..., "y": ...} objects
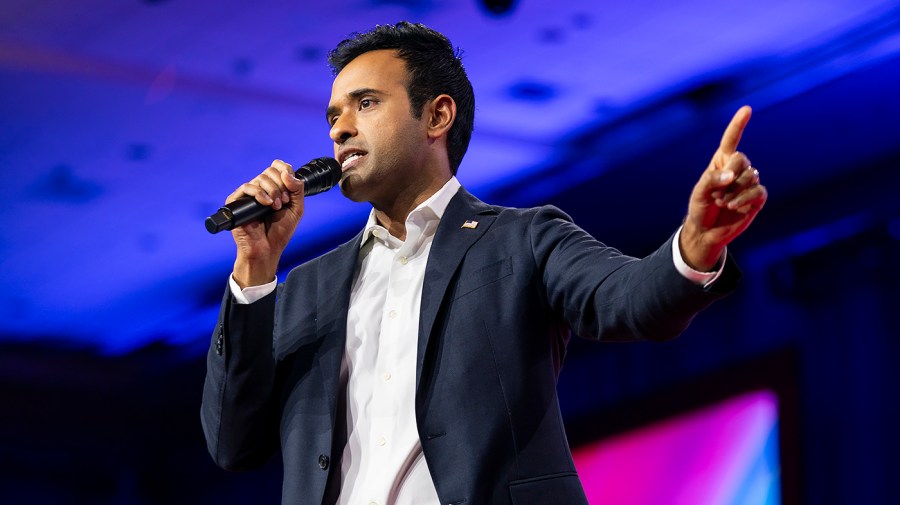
[
  {"x": 110, "y": 111},
  {"x": 726, "y": 453}
]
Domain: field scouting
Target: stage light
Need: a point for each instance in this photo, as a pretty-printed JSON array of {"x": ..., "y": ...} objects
[{"x": 498, "y": 7}]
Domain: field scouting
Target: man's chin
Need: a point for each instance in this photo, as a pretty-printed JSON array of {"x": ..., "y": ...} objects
[{"x": 351, "y": 188}]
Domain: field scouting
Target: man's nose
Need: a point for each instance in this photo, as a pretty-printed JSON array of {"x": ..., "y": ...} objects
[{"x": 342, "y": 129}]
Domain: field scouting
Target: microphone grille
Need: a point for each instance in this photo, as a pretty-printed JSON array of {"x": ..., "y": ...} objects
[{"x": 319, "y": 175}]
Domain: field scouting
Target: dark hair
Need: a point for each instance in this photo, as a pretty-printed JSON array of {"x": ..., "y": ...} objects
[{"x": 433, "y": 67}]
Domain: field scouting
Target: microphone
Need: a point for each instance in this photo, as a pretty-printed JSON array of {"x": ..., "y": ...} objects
[{"x": 319, "y": 175}]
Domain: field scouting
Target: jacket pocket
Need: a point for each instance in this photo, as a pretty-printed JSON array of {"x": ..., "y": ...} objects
[
  {"x": 483, "y": 276},
  {"x": 560, "y": 488}
]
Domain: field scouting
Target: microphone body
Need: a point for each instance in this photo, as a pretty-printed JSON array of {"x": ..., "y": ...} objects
[{"x": 319, "y": 175}]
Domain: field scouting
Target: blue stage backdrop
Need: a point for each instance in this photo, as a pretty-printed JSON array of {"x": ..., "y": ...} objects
[{"x": 125, "y": 123}]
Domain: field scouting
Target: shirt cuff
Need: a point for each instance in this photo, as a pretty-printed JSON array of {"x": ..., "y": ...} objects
[
  {"x": 250, "y": 294},
  {"x": 699, "y": 278}
]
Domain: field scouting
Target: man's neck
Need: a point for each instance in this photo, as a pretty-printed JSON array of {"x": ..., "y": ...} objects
[{"x": 393, "y": 214}]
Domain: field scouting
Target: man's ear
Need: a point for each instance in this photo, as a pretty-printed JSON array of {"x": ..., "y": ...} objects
[{"x": 442, "y": 114}]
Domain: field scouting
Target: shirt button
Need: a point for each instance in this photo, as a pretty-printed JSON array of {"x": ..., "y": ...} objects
[
  {"x": 323, "y": 462},
  {"x": 372, "y": 503},
  {"x": 386, "y": 376},
  {"x": 404, "y": 260},
  {"x": 392, "y": 314},
  {"x": 376, "y": 233},
  {"x": 381, "y": 441}
]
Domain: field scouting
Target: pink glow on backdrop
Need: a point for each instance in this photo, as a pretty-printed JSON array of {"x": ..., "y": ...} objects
[{"x": 712, "y": 456}]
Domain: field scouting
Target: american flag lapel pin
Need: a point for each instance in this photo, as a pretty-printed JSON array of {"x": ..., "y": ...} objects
[{"x": 470, "y": 224}]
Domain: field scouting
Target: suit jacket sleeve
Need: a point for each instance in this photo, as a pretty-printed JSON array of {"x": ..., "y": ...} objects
[
  {"x": 602, "y": 294},
  {"x": 238, "y": 412}
]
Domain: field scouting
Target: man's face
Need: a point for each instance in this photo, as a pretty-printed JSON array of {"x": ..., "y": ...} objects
[{"x": 376, "y": 138}]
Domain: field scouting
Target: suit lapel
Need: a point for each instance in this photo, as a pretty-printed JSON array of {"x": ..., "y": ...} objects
[
  {"x": 335, "y": 274},
  {"x": 451, "y": 242}
]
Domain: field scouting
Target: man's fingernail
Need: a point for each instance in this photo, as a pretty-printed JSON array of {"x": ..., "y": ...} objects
[{"x": 725, "y": 176}]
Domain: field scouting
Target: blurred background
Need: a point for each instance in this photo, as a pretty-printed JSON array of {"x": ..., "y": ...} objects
[{"x": 124, "y": 123}]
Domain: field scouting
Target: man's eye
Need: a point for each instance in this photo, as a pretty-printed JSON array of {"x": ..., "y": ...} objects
[{"x": 365, "y": 104}]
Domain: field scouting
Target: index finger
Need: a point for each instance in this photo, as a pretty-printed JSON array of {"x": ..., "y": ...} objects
[{"x": 735, "y": 130}]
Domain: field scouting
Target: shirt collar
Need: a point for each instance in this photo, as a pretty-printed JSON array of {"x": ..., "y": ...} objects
[{"x": 431, "y": 209}]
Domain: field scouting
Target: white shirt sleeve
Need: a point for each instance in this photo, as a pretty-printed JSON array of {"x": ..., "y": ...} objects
[
  {"x": 700, "y": 278},
  {"x": 250, "y": 294}
]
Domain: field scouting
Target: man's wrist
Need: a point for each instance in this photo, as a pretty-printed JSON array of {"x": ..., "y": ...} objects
[
  {"x": 697, "y": 255},
  {"x": 700, "y": 278},
  {"x": 253, "y": 273}
]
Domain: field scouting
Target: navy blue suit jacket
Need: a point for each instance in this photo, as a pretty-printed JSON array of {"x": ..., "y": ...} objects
[{"x": 497, "y": 306}]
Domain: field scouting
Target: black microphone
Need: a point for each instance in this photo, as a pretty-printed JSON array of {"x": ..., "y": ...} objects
[{"x": 319, "y": 175}]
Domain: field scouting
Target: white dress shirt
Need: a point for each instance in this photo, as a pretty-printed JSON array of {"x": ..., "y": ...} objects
[{"x": 382, "y": 462}]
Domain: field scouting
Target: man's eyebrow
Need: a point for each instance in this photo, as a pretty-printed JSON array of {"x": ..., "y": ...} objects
[{"x": 354, "y": 95}]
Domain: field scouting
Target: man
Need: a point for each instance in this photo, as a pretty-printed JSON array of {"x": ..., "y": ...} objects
[{"x": 417, "y": 363}]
